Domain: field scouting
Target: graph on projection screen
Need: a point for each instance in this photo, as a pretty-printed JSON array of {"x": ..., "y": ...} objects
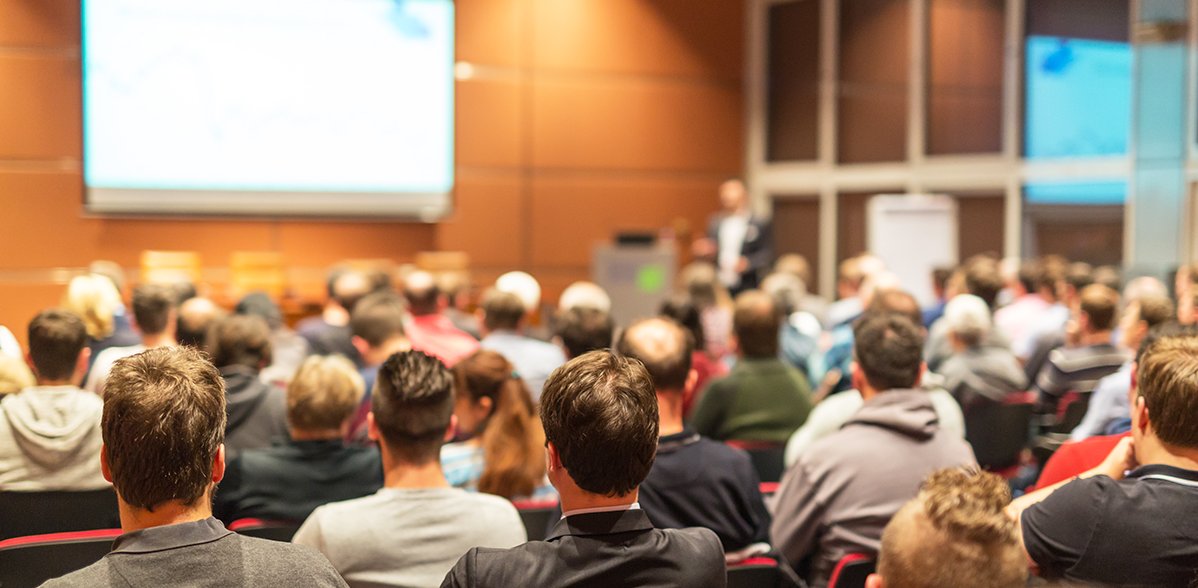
[{"x": 276, "y": 107}]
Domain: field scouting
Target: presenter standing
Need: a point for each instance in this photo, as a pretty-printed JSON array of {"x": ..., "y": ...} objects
[{"x": 737, "y": 241}]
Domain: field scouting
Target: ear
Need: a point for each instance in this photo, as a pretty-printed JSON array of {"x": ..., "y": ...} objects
[
  {"x": 360, "y": 344},
  {"x": 218, "y": 465},
  {"x": 874, "y": 581},
  {"x": 104, "y": 469},
  {"x": 733, "y": 344},
  {"x": 923, "y": 371},
  {"x": 486, "y": 403},
  {"x": 372, "y": 429},
  {"x": 451, "y": 429},
  {"x": 81, "y": 363},
  {"x": 692, "y": 380},
  {"x": 32, "y": 367},
  {"x": 1140, "y": 419},
  {"x": 857, "y": 376},
  {"x": 555, "y": 459}
]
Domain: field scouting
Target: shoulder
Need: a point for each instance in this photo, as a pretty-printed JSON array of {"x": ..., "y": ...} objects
[
  {"x": 275, "y": 560},
  {"x": 93, "y": 575},
  {"x": 489, "y": 504}
]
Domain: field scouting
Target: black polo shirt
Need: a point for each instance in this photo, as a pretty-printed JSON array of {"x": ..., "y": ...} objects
[
  {"x": 697, "y": 482},
  {"x": 1139, "y": 531}
]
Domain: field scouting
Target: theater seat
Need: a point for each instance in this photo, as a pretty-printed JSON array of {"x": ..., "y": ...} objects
[
  {"x": 538, "y": 516},
  {"x": 760, "y": 572},
  {"x": 851, "y": 571},
  {"x": 768, "y": 458},
  {"x": 36, "y": 513},
  {"x": 264, "y": 529},
  {"x": 26, "y": 562},
  {"x": 999, "y": 432}
]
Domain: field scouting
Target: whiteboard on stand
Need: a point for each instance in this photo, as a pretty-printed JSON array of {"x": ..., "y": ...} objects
[{"x": 913, "y": 234}]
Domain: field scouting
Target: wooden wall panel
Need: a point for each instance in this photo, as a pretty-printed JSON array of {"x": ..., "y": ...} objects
[
  {"x": 663, "y": 37},
  {"x": 320, "y": 243},
  {"x": 488, "y": 130},
  {"x": 487, "y": 222},
  {"x": 39, "y": 23},
  {"x": 491, "y": 32},
  {"x": 40, "y": 108},
  {"x": 42, "y": 224},
  {"x": 636, "y": 125},
  {"x": 796, "y": 230},
  {"x": 572, "y": 215},
  {"x": 980, "y": 224}
]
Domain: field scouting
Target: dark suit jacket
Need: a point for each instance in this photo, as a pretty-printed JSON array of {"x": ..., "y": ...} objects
[
  {"x": 758, "y": 248},
  {"x": 601, "y": 550}
]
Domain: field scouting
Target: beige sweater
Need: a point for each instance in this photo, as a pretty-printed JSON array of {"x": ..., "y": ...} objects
[{"x": 50, "y": 440}]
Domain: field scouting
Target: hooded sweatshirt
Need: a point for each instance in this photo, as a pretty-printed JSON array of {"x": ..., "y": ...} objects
[
  {"x": 50, "y": 440},
  {"x": 837, "y": 498},
  {"x": 982, "y": 374},
  {"x": 257, "y": 411}
]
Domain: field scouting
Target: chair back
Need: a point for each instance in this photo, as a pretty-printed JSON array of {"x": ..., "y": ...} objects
[
  {"x": 1071, "y": 411},
  {"x": 851, "y": 571},
  {"x": 999, "y": 431},
  {"x": 37, "y": 513},
  {"x": 538, "y": 516},
  {"x": 26, "y": 562},
  {"x": 761, "y": 572},
  {"x": 768, "y": 458},
  {"x": 264, "y": 529},
  {"x": 170, "y": 267}
]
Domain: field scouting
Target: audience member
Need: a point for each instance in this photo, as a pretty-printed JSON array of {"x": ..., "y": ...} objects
[
  {"x": 1111, "y": 527},
  {"x": 851, "y": 274},
  {"x": 584, "y": 295},
  {"x": 430, "y": 330},
  {"x": 288, "y": 349},
  {"x": 455, "y": 286},
  {"x": 97, "y": 301},
  {"x": 329, "y": 333},
  {"x": 694, "y": 481},
  {"x": 798, "y": 337},
  {"x": 837, "y": 497},
  {"x": 504, "y": 319},
  {"x": 501, "y": 447},
  {"x": 1035, "y": 295},
  {"x": 679, "y": 309},
  {"x": 737, "y": 240},
  {"x": 831, "y": 413},
  {"x": 1079, "y": 367},
  {"x": 700, "y": 281},
  {"x": 287, "y": 482},
  {"x": 153, "y": 317},
  {"x": 582, "y": 329},
  {"x": 163, "y": 423},
  {"x": 932, "y": 313},
  {"x": 412, "y": 531},
  {"x": 977, "y": 374},
  {"x": 50, "y": 433},
  {"x": 1075, "y": 457},
  {"x": 14, "y": 374},
  {"x": 796, "y": 265},
  {"x": 1110, "y": 401},
  {"x": 830, "y": 368},
  {"x": 762, "y": 398},
  {"x": 1057, "y": 326},
  {"x": 196, "y": 316},
  {"x": 601, "y": 427},
  {"x": 240, "y": 346},
  {"x": 979, "y": 276},
  {"x": 954, "y": 533}
]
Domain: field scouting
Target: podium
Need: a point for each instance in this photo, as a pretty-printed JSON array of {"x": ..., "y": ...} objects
[{"x": 637, "y": 277}]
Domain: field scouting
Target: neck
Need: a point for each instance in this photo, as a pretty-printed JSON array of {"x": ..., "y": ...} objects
[
  {"x": 314, "y": 434},
  {"x": 169, "y": 513},
  {"x": 1151, "y": 450},
  {"x": 390, "y": 347},
  {"x": 1095, "y": 338},
  {"x": 669, "y": 409},
  {"x": 334, "y": 315},
  {"x": 48, "y": 383},
  {"x": 400, "y": 474},
  {"x": 577, "y": 499},
  {"x": 157, "y": 340}
]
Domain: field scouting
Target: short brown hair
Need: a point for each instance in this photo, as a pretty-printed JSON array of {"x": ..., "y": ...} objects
[
  {"x": 412, "y": 405},
  {"x": 377, "y": 318},
  {"x": 600, "y": 411},
  {"x": 663, "y": 346},
  {"x": 239, "y": 339},
  {"x": 954, "y": 533},
  {"x": 1099, "y": 303},
  {"x": 152, "y": 306},
  {"x": 501, "y": 310},
  {"x": 584, "y": 329},
  {"x": 56, "y": 337},
  {"x": 1168, "y": 381},
  {"x": 889, "y": 349},
  {"x": 324, "y": 392},
  {"x": 1154, "y": 310},
  {"x": 755, "y": 321},
  {"x": 892, "y": 301},
  {"x": 164, "y": 419},
  {"x": 983, "y": 279}
]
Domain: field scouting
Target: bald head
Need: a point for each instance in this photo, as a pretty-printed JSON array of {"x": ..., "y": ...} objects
[
  {"x": 733, "y": 195},
  {"x": 420, "y": 290},
  {"x": 349, "y": 287},
  {"x": 665, "y": 349},
  {"x": 196, "y": 315}
]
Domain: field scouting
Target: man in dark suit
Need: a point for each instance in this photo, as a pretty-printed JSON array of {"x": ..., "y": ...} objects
[
  {"x": 600, "y": 417},
  {"x": 738, "y": 241}
]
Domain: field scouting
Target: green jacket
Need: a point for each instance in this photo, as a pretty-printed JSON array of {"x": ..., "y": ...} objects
[{"x": 760, "y": 400}]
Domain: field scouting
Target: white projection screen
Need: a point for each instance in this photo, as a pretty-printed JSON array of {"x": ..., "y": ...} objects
[{"x": 269, "y": 107}]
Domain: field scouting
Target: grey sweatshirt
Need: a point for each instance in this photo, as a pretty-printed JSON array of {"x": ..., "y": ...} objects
[
  {"x": 50, "y": 440},
  {"x": 982, "y": 373},
  {"x": 837, "y": 498}
]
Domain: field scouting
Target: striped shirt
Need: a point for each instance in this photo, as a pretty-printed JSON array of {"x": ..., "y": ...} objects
[{"x": 1077, "y": 369}]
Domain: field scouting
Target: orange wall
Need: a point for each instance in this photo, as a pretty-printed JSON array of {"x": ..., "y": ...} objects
[{"x": 582, "y": 117}]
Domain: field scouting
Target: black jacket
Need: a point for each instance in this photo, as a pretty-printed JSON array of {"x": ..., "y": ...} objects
[
  {"x": 758, "y": 248},
  {"x": 602, "y": 550},
  {"x": 257, "y": 412}
]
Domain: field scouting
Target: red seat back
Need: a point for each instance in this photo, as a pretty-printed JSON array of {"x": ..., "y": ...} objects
[{"x": 31, "y": 560}]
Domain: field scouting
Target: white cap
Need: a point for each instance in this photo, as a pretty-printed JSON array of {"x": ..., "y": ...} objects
[{"x": 967, "y": 314}]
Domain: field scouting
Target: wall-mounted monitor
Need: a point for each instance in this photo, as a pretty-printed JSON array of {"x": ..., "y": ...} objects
[{"x": 269, "y": 107}]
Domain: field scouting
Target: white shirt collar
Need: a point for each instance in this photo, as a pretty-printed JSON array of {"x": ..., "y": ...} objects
[{"x": 616, "y": 508}]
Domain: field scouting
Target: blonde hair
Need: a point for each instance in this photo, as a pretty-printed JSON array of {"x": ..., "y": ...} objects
[
  {"x": 95, "y": 299},
  {"x": 14, "y": 375},
  {"x": 954, "y": 533},
  {"x": 324, "y": 392}
]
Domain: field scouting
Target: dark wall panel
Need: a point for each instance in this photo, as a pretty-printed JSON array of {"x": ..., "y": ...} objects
[
  {"x": 965, "y": 75},
  {"x": 792, "y": 82},
  {"x": 796, "y": 230},
  {"x": 872, "y": 94}
]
